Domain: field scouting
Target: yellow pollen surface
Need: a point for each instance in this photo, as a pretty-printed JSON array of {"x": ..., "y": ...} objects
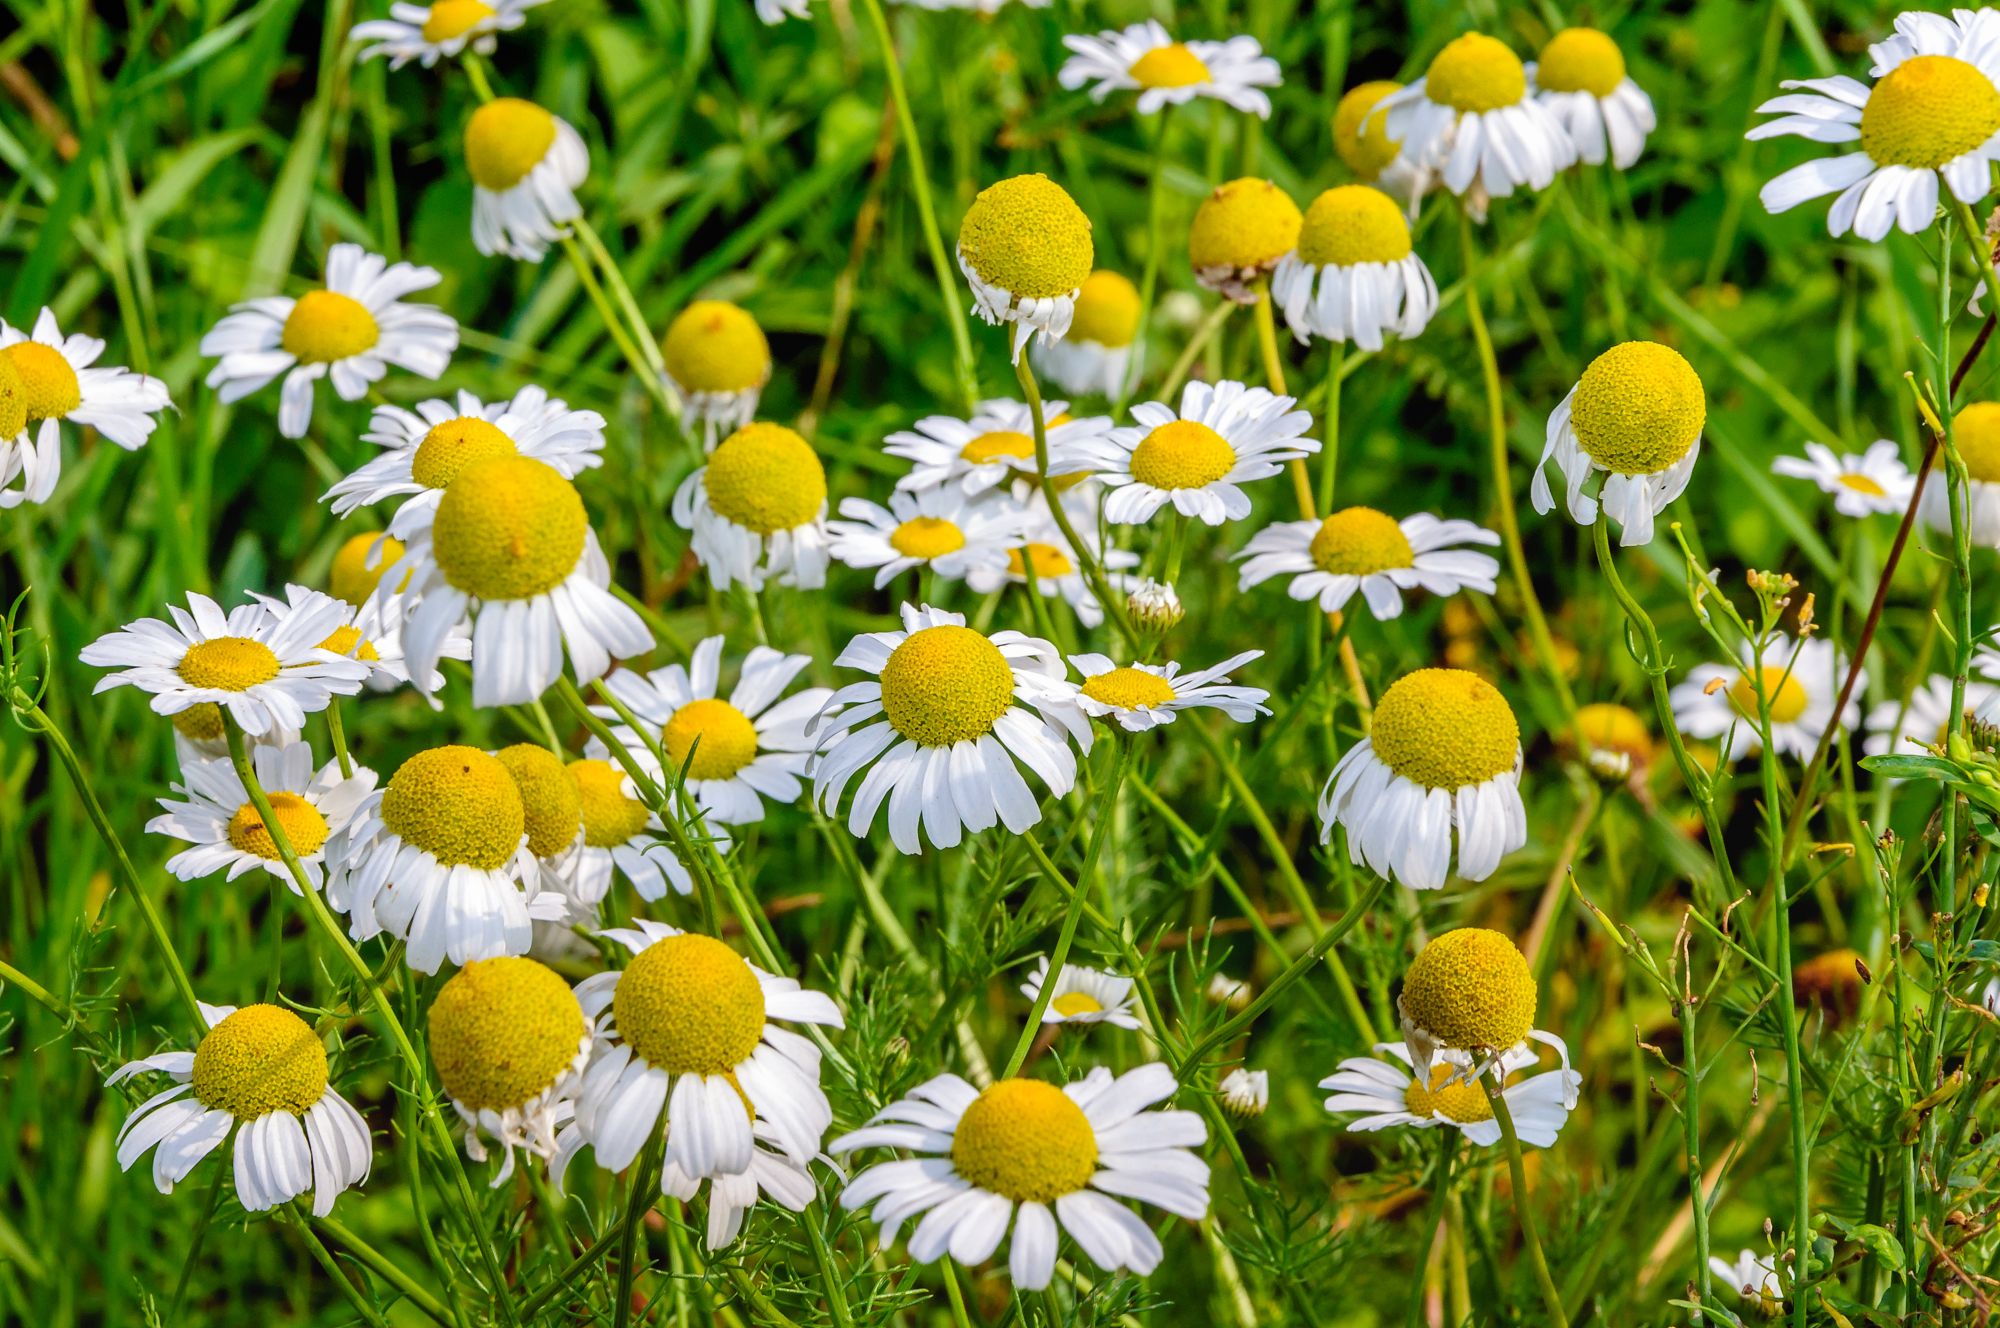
[
  {"x": 49, "y": 387},
  {"x": 551, "y": 803},
  {"x": 1465, "y": 1101},
  {"x": 926, "y": 537},
  {"x": 508, "y": 528},
  {"x": 261, "y": 1059},
  {"x": 1360, "y": 541},
  {"x": 459, "y": 805},
  {"x": 716, "y": 346},
  {"x": 766, "y": 478},
  {"x": 1027, "y": 236},
  {"x": 1073, "y": 1003},
  {"x": 1048, "y": 561},
  {"x": 13, "y": 398},
  {"x": 610, "y": 816},
  {"x": 305, "y": 829},
  {"x": 1107, "y": 312},
  {"x": 502, "y": 1032},
  {"x": 1182, "y": 454},
  {"x": 1927, "y": 111},
  {"x": 325, "y": 326},
  {"x": 454, "y": 18},
  {"x": 1607, "y": 725},
  {"x": 1638, "y": 408},
  {"x": 228, "y": 664},
  {"x": 505, "y": 140},
  {"x": 199, "y": 723},
  {"x": 944, "y": 685},
  {"x": 1244, "y": 224},
  {"x": 1445, "y": 728},
  {"x": 690, "y": 1005},
  {"x": 1975, "y": 432},
  {"x": 1129, "y": 688},
  {"x": 1173, "y": 66},
  {"x": 1469, "y": 989},
  {"x": 728, "y": 740},
  {"x": 1353, "y": 223},
  {"x": 1787, "y": 694},
  {"x": 1362, "y": 139},
  {"x": 450, "y": 447},
  {"x": 1475, "y": 73},
  {"x": 351, "y": 578},
  {"x": 996, "y": 445},
  {"x": 1860, "y": 483},
  {"x": 1025, "y": 1140},
  {"x": 1581, "y": 60},
  {"x": 347, "y": 641}
]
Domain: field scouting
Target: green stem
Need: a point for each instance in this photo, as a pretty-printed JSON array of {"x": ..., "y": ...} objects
[
  {"x": 1433, "y": 1220},
  {"x": 1691, "y": 1136},
  {"x": 829, "y": 1273},
  {"x": 1329, "y": 429},
  {"x": 1523, "y": 1210},
  {"x": 641, "y": 1181},
  {"x": 1093, "y": 572},
  {"x": 378, "y": 1263},
  {"x": 1149, "y": 281},
  {"x": 320, "y": 1256},
  {"x": 336, "y": 733}
]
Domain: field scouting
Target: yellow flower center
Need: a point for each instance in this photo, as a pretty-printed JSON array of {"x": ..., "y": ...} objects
[
  {"x": 714, "y": 346},
  {"x": 690, "y": 1005},
  {"x": 325, "y": 326},
  {"x": 1927, "y": 111},
  {"x": 1028, "y": 237},
  {"x": 1360, "y": 541},
  {"x": 50, "y": 390},
  {"x": 347, "y": 641},
  {"x": 261, "y": 1059},
  {"x": 502, "y": 1032},
  {"x": 505, "y": 140},
  {"x": 1638, "y": 408},
  {"x": 944, "y": 685},
  {"x": 926, "y": 537},
  {"x": 508, "y": 528},
  {"x": 766, "y": 478},
  {"x": 1465, "y": 1101},
  {"x": 1248, "y": 223},
  {"x": 199, "y": 723},
  {"x": 610, "y": 816},
  {"x": 1860, "y": 483},
  {"x": 1048, "y": 561},
  {"x": 1470, "y": 988},
  {"x": 1172, "y": 66},
  {"x": 1073, "y": 1003},
  {"x": 1363, "y": 140},
  {"x": 551, "y": 803},
  {"x": 1129, "y": 688},
  {"x": 1475, "y": 73},
  {"x": 351, "y": 578},
  {"x": 450, "y": 447},
  {"x": 228, "y": 664},
  {"x": 996, "y": 445},
  {"x": 305, "y": 829},
  {"x": 1581, "y": 60},
  {"x": 1605, "y": 725},
  {"x": 1787, "y": 694},
  {"x": 454, "y": 18},
  {"x": 1353, "y": 223},
  {"x": 13, "y": 398},
  {"x": 1182, "y": 454},
  {"x": 1025, "y": 1140},
  {"x": 1445, "y": 728},
  {"x": 1975, "y": 432},
  {"x": 1107, "y": 311},
  {"x": 459, "y": 805},
  {"x": 728, "y": 740}
]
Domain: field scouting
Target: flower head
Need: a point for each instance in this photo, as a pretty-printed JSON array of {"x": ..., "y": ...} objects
[
  {"x": 1082, "y": 995},
  {"x": 1875, "y": 481},
  {"x": 1797, "y": 681},
  {"x": 1239, "y": 232},
  {"x": 440, "y": 30},
  {"x": 939, "y": 529},
  {"x": 1025, "y": 247},
  {"x": 758, "y": 510},
  {"x": 526, "y": 164},
  {"x": 1101, "y": 353},
  {"x": 718, "y": 360},
  {"x": 1580, "y": 79},
  {"x": 216, "y": 817},
  {"x": 509, "y": 1041},
  {"x": 47, "y": 378},
  {"x": 1140, "y": 697},
  {"x": 1387, "y": 1093},
  {"x": 1636, "y": 418},
  {"x": 1143, "y": 58},
  {"x": 1975, "y": 433},
  {"x": 1361, "y": 549},
  {"x": 995, "y": 447},
  {"x": 1354, "y": 276}
]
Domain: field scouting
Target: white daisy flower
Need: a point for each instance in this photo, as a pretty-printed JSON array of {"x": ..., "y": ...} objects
[
  {"x": 736, "y": 752},
  {"x": 46, "y": 378},
  {"x": 1101, "y": 355},
  {"x": 1082, "y": 995},
  {"x": 1443, "y": 756},
  {"x": 1931, "y": 114},
  {"x": 1468, "y": 1001},
  {"x": 1899, "y": 728},
  {"x": 1039, "y": 1159},
  {"x": 218, "y": 819},
  {"x": 1025, "y": 248},
  {"x": 526, "y": 164},
  {"x": 1245, "y": 1093},
  {"x": 1580, "y": 79},
  {"x": 1240, "y": 232},
  {"x": 1224, "y": 436},
  {"x": 1635, "y": 417},
  {"x": 350, "y": 331},
  {"x": 261, "y": 1067},
  {"x": 621, "y": 832},
  {"x": 941, "y": 728},
  {"x": 771, "y": 1174},
  {"x": 1387, "y": 1094},
  {"x": 995, "y": 447},
  {"x": 1058, "y": 575},
  {"x": 1144, "y": 59},
  {"x": 717, "y": 358},
  {"x": 1875, "y": 481},
  {"x": 1754, "y": 1278},
  {"x": 1140, "y": 697},
  {"x": 940, "y": 530},
  {"x": 1718, "y": 702},
  {"x": 439, "y": 31},
  {"x": 1975, "y": 432},
  {"x": 1354, "y": 276},
  {"x": 267, "y": 674},
  {"x": 757, "y": 510},
  {"x": 373, "y": 635},
  {"x": 1361, "y": 549},
  {"x": 1361, "y": 137}
]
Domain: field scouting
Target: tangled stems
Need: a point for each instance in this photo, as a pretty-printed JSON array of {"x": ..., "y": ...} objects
[
  {"x": 1517, "y": 1171},
  {"x": 1093, "y": 571}
]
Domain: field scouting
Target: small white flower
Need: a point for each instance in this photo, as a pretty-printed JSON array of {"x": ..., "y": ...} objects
[
  {"x": 372, "y": 635},
  {"x": 621, "y": 832},
  {"x": 1359, "y": 548},
  {"x": 937, "y": 529},
  {"x": 1580, "y": 79},
  {"x": 1140, "y": 697},
  {"x": 1101, "y": 355},
  {"x": 995, "y": 447},
  {"x": 1899, "y": 728},
  {"x": 1025, "y": 250},
  {"x": 57, "y": 383},
  {"x": 1082, "y": 995},
  {"x": 526, "y": 165},
  {"x": 1144, "y": 59},
  {"x": 1635, "y": 418},
  {"x": 1045, "y": 551},
  {"x": 439, "y": 31},
  {"x": 1387, "y": 1093},
  {"x": 1245, "y": 1093},
  {"x": 1354, "y": 276},
  {"x": 1719, "y": 702},
  {"x": 716, "y": 356},
  {"x": 225, "y": 830},
  {"x": 757, "y": 510},
  {"x": 1754, "y": 1278},
  {"x": 1875, "y": 481}
]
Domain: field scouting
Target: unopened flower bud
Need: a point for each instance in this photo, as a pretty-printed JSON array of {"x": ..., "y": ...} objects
[
  {"x": 1153, "y": 606},
  {"x": 1229, "y": 992},
  {"x": 1246, "y": 1093}
]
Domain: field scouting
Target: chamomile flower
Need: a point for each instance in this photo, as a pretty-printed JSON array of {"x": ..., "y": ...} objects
[
  {"x": 1100, "y": 355},
  {"x": 771, "y": 1175},
  {"x": 424, "y": 450},
  {"x": 757, "y": 510},
  {"x": 1036, "y": 1158},
  {"x": 1140, "y": 697},
  {"x": 1153, "y": 606},
  {"x": 1975, "y": 432},
  {"x": 1580, "y": 79},
  {"x": 266, "y": 674},
  {"x": 440, "y": 30},
  {"x": 718, "y": 360},
  {"x": 1800, "y": 681},
  {"x": 1082, "y": 995},
  {"x": 199, "y": 735},
  {"x": 686, "y": 1028},
  {"x": 371, "y": 634},
  {"x": 940, "y": 728},
  {"x": 1932, "y": 114},
  {"x": 1361, "y": 549},
  {"x": 1245, "y": 1093},
  {"x": 526, "y": 164},
  {"x": 1471, "y": 124},
  {"x": 263, "y": 1068},
  {"x": 1875, "y": 481},
  {"x": 360, "y": 563},
  {"x": 1468, "y": 1000},
  {"x": 1354, "y": 276},
  {"x": 1384, "y": 1089},
  {"x": 1362, "y": 139},
  {"x": 940, "y": 530},
  {"x": 1224, "y": 436},
  {"x": 995, "y": 447},
  {"x": 1046, "y": 552},
  {"x": 509, "y": 1041},
  {"x": 1239, "y": 234},
  {"x": 510, "y": 551},
  {"x": 348, "y": 331},
  {"x": 1635, "y": 417},
  {"x": 46, "y": 378},
  {"x": 1143, "y": 58},
  {"x": 1442, "y": 761},
  {"x": 621, "y": 832},
  {"x": 215, "y": 816},
  {"x": 1753, "y": 1277},
  {"x": 1898, "y": 727},
  {"x": 1621, "y": 746},
  {"x": 1025, "y": 248}
]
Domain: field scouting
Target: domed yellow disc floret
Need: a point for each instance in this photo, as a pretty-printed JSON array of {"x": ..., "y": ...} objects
[
  {"x": 1107, "y": 312},
  {"x": 505, "y": 140},
  {"x": 325, "y": 326},
  {"x": 1025, "y": 1140},
  {"x": 551, "y": 803},
  {"x": 1638, "y": 408},
  {"x": 459, "y": 805},
  {"x": 347, "y": 641},
  {"x": 1927, "y": 111},
  {"x": 1353, "y": 223},
  {"x": 1975, "y": 432},
  {"x": 1360, "y": 541},
  {"x": 690, "y": 1005},
  {"x": 1182, "y": 454},
  {"x": 228, "y": 664},
  {"x": 1787, "y": 694},
  {"x": 49, "y": 389},
  {"x": 199, "y": 723},
  {"x": 1362, "y": 139},
  {"x": 715, "y": 346},
  {"x": 926, "y": 537},
  {"x": 13, "y": 398},
  {"x": 1073, "y": 1003},
  {"x": 454, "y": 18},
  {"x": 508, "y": 528},
  {"x": 1475, "y": 73},
  {"x": 1248, "y": 223},
  {"x": 1465, "y": 1101},
  {"x": 996, "y": 445},
  {"x": 1445, "y": 728},
  {"x": 261, "y": 1059},
  {"x": 728, "y": 740},
  {"x": 503, "y": 1032},
  {"x": 946, "y": 684},
  {"x": 1470, "y": 988},
  {"x": 1172, "y": 66},
  {"x": 351, "y": 578},
  {"x": 1581, "y": 60},
  {"x": 1048, "y": 561},
  {"x": 610, "y": 815},
  {"x": 1129, "y": 688},
  {"x": 1607, "y": 725},
  {"x": 1027, "y": 237},
  {"x": 305, "y": 829},
  {"x": 766, "y": 478},
  {"x": 450, "y": 447}
]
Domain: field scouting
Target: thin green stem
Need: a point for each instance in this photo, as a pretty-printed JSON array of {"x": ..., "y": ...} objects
[
  {"x": 1086, "y": 558},
  {"x": 379, "y": 1264},
  {"x": 1149, "y": 280},
  {"x": 1524, "y": 1211},
  {"x": 1329, "y": 428},
  {"x": 640, "y": 1182},
  {"x": 348, "y": 1290},
  {"x": 1433, "y": 1221}
]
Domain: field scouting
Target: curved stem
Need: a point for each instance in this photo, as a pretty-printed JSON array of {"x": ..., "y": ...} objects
[
  {"x": 1274, "y": 378},
  {"x": 1523, "y": 1210},
  {"x": 1093, "y": 571}
]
